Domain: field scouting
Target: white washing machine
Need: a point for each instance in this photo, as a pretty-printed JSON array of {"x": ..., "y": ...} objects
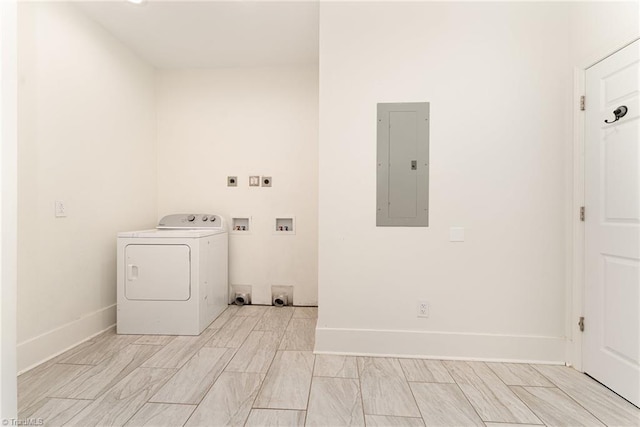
[{"x": 173, "y": 280}]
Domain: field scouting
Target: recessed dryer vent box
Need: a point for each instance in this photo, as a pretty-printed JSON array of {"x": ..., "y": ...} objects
[
  {"x": 241, "y": 225},
  {"x": 285, "y": 225},
  {"x": 403, "y": 165},
  {"x": 243, "y": 291}
]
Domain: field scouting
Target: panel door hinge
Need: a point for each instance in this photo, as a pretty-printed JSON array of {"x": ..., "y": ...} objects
[
  {"x": 581, "y": 324},
  {"x": 582, "y": 107},
  {"x": 582, "y": 213}
]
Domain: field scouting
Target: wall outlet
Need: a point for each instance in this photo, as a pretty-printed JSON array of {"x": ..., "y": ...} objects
[
  {"x": 266, "y": 181},
  {"x": 232, "y": 181},
  {"x": 60, "y": 209},
  {"x": 423, "y": 309}
]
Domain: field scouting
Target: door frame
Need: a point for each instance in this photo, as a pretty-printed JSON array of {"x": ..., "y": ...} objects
[
  {"x": 576, "y": 291},
  {"x": 8, "y": 206}
]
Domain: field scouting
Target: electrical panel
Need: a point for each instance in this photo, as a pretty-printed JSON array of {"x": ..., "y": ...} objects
[{"x": 403, "y": 165}]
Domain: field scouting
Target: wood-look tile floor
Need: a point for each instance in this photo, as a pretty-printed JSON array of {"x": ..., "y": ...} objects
[{"x": 254, "y": 366}]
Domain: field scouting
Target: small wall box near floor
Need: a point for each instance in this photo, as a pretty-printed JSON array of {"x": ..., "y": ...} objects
[{"x": 172, "y": 280}]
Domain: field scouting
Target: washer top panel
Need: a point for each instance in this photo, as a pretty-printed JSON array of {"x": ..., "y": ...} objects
[
  {"x": 180, "y": 233},
  {"x": 190, "y": 226}
]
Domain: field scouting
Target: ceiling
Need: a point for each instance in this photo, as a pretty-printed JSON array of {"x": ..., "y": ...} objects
[{"x": 212, "y": 34}]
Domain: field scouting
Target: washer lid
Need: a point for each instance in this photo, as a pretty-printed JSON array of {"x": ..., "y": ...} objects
[{"x": 171, "y": 233}]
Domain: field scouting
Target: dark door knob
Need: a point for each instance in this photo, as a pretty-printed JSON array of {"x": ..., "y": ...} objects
[{"x": 619, "y": 113}]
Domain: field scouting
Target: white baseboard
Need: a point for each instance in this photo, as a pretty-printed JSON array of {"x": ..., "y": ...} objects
[
  {"x": 37, "y": 350},
  {"x": 441, "y": 345}
]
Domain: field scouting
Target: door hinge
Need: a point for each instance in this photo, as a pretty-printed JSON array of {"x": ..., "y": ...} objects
[
  {"x": 582, "y": 108},
  {"x": 581, "y": 324},
  {"x": 582, "y": 213}
]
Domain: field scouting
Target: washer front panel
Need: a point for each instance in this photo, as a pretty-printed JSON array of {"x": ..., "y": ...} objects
[{"x": 157, "y": 272}]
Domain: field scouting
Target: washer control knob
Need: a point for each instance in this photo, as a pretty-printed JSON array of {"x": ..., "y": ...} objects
[
  {"x": 213, "y": 218},
  {"x": 204, "y": 218},
  {"x": 191, "y": 218}
]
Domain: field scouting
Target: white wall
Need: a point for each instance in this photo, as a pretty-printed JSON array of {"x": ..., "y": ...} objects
[
  {"x": 86, "y": 137},
  {"x": 498, "y": 78},
  {"x": 240, "y": 122},
  {"x": 8, "y": 211},
  {"x": 601, "y": 27}
]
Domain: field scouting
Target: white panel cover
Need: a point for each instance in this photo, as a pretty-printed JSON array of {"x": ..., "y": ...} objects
[{"x": 158, "y": 272}]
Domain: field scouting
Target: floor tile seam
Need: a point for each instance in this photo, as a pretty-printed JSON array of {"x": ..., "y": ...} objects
[
  {"x": 489, "y": 365},
  {"x": 197, "y": 349},
  {"x": 47, "y": 393},
  {"x": 266, "y": 375},
  {"x": 244, "y": 372},
  {"x": 518, "y": 424},
  {"x": 149, "y": 344},
  {"x": 313, "y": 369},
  {"x": 190, "y": 415},
  {"x": 194, "y": 407},
  {"x": 532, "y": 386},
  {"x": 204, "y": 394},
  {"x": 225, "y": 322},
  {"x": 223, "y": 370},
  {"x": 278, "y": 408},
  {"x": 177, "y": 369},
  {"x": 331, "y": 376},
  {"x": 600, "y": 385},
  {"x": 511, "y": 391},
  {"x": 581, "y": 405},
  {"x": 73, "y": 364},
  {"x": 111, "y": 388},
  {"x": 269, "y": 409},
  {"x": 282, "y": 337},
  {"x": 170, "y": 403},
  {"x": 535, "y": 367},
  {"x": 104, "y": 390},
  {"x": 396, "y": 416},
  {"x": 262, "y": 382},
  {"x": 431, "y": 382},
  {"x": 567, "y": 393},
  {"x": 77, "y": 400},
  {"x": 450, "y": 371},
  {"x": 364, "y": 415},
  {"x": 38, "y": 404},
  {"x": 408, "y": 384},
  {"x": 532, "y": 366}
]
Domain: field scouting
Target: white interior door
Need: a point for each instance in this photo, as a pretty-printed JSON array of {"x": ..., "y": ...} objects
[{"x": 611, "y": 352}]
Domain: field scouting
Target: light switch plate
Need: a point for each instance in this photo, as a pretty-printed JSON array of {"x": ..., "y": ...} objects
[
  {"x": 456, "y": 234},
  {"x": 254, "y": 181}
]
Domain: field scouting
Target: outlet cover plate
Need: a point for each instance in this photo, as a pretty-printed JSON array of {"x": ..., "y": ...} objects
[
  {"x": 423, "y": 309},
  {"x": 60, "y": 209}
]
